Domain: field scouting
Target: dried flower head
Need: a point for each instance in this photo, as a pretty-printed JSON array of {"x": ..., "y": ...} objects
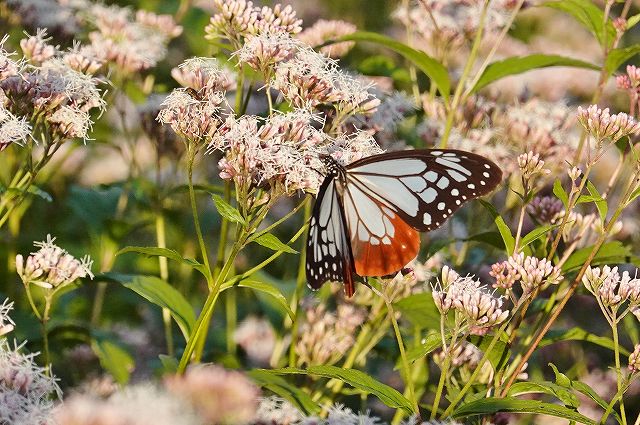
[
  {"x": 139, "y": 404},
  {"x": 606, "y": 127},
  {"x": 634, "y": 360},
  {"x": 6, "y": 324},
  {"x": 544, "y": 208},
  {"x": 323, "y": 31},
  {"x": 257, "y": 338},
  {"x": 51, "y": 266},
  {"x": 220, "y": 396},
  {"x": 12, "y": 129},
  {"x": 26, "y": 390},
  {"x": 326, "y": 336}
]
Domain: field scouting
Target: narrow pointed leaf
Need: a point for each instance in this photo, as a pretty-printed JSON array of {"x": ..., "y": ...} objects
[{"x": 155, "y": 251}]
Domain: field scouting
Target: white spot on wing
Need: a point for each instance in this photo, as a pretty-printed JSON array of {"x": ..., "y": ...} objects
[{"x": 392, "y": 167}]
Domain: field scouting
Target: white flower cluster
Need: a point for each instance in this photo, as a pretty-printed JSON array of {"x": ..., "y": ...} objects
[{"x": 613, "y": 290}]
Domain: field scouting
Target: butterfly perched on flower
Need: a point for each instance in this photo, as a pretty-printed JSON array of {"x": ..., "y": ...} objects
[{"x": 368, "y": 214}]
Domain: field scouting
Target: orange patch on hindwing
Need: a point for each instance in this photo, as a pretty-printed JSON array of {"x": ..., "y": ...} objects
[{"x": 383, "y": 259}]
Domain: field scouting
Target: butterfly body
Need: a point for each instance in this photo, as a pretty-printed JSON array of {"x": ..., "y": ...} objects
[{"x": 368, "y": 215}]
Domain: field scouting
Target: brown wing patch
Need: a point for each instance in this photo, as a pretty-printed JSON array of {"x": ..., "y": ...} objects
[{"x": 377, "y": 258}]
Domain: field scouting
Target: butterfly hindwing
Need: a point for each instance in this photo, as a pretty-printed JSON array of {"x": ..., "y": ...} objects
[
  {"x": 328, "y": 250},
  {"x": 424, "y": 187}
]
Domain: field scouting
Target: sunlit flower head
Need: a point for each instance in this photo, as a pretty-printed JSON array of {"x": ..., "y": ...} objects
[
  {"x": 51, "y": 266},
  {"x": 8, "y": 66},
  {"x": 203, "y": 74},
  {"x": 611, "y": 288},
  {"x": 82, "y": 59},
  {"x": 6, "y": 324},
  {"x": 326, "y": 336},
  {"x": 325, "y": 30},
  {"x": 27, "y": 391},
  {"x": 220, "y": 396},
  {"x": 140, "y": 404},
  {"x": 263, "y": 51},
  {"x": 196, "y": 118},
  {"x": 12, "y": 129},
  {"x": 236, "y": 19},
  {"x": 606, "y": 127},
  {"x": 36, "y": 48}
]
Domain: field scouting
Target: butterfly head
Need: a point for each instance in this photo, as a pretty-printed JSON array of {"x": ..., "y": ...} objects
[{"x": 333, "y": 167}]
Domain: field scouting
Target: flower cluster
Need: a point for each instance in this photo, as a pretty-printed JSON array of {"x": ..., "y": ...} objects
[
  {"x": 219, "y": 396},
  {"x": 257, "y": 338},
  {"x": 326, "y": 336},
  {"x": 612, "y": 290},
  {"x": 323, "y": 31},
  {"x": 6, "y": 324},
  {"x": 531, "y": 166},
  {"x": 58, "y": 16},
  {"x": 631, "y": 80},
  {"x": 479, "y": 309},
  {"x": 634, "y": 360},
  {"x": 237, "y": 19},
  {"x": 26, "y": 390},
  {"x": 544, "y": 208},
  {"x": 606, "y": 127},
  {"x": 531, "y": 272},
  {"x": 52, "y": 267},
  {"x": 12, "y": 129}
]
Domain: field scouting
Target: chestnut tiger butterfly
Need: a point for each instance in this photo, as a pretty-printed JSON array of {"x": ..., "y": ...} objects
[{"x": 368, "y": 214}]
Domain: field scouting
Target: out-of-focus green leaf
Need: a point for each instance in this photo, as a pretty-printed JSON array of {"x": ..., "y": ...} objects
[
  {"x": 578, "y": 334},
  {"x": 431, "y": 342},
  {"x": 609, "y": 253},
  {"x": 519, "y": 64},
  {"x": 536, "y": 234},
  {"x": 271, "y": 241},
  {"x": 589, "y": 15},
  {"x": 560, "y": 193},
  {"x": 498, "y": 355},
  {"x": 425, "y": 63},
  {"x": 155, "y": 251},
  {"x": 162, "y": 294},
  {"x": 113, "y": 357},
  {"x": 505, "y": 232},
  {"x": 277, "y": 384},
  {"x": 633, "y": 21},
  {"x": 227, "y": 211},
  {"x": 420, "y": 310},
  {"x": 357, "y": 379},
  {"x": 619, "y": 56},
  {"x": 545, "y": 387},
  {"x": 270, "y": 290},
  {"x": 490, "y": 238},
  {"x": 491, "y": 405},
  {"x": 169, "y": 364},
  {"x": 601, "y": 203}
]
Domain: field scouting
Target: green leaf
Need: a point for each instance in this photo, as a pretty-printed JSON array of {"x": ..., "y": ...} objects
[
  {"x": 589, "y": 392},
  {"x": 492, "y": 238},
  {"x": 561, "y": 379},
  {"x": 431, "y": 342},
  {"x": 536, "y": 234},
  {"x": 420, "y": 310},
  {"x": 499, "y": 354},
  {"x": 634, "y": 195},
  {"x": 601, "y": 203},
  {"x": 227, "y": 211},
  {"x": 505, "y": 232},
  {"x": 269, "y": 290},
  {"x": 545, "y": 387},
  {"x": 609, "y": 253},
  {"x": 357, "y": 379},
  {"x": 162, "y": 294},
  {"x": 169, "y": 364},
  {"x": 619, "y": 56},
  {"x": 113, "y": 357},
  {"x": 278, "y": 385},
  {"x": 519, "y": 64},
  {"x": 579, "y": 334},
  {"x": 633, "y": 21},
  {"x": 271, "y": 241},
  {"x": 560, "y": 193},
  {"x": 155, "y": 251},
  {"x": 425, "y": 63},
  {"x": 589, "y": 15},
  {"x": 491, "y": 405}
]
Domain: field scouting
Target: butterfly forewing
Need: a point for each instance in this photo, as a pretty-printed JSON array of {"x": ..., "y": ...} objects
[
  {"x": 328, "y": 250},
  {"x": 424, "y": 187}
]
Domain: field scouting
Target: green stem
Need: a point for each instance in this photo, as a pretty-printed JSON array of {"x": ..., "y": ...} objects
[
  {"x": 164, "y": 275},
  {"x": 445, "y": 366},
  {"x": 194, "y": 210},
  {"x": 457, "y": 97},
  {"x": 224, "y": 233},
  {"x": 616, "y": 348},
  {"x": 231, "y": 313}
]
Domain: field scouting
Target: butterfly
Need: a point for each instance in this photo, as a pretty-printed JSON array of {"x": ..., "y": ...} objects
[{"x": 367, "y": 216}]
